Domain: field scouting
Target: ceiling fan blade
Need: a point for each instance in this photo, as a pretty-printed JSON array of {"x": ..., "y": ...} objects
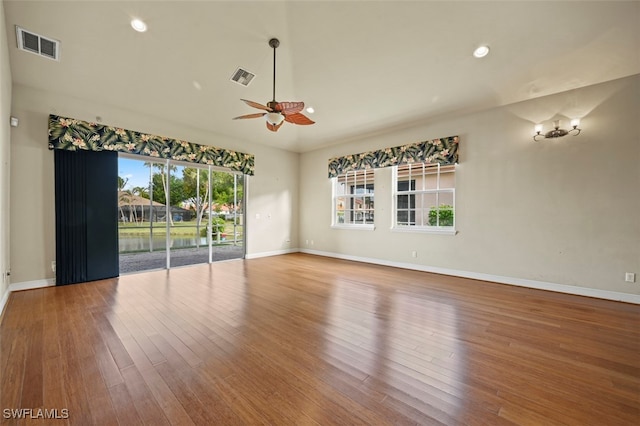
[
  {"x": 298, "y": 118},
  {"x": 256, "y": 105},
  {"x": 256, "y": 115},
  {"x": 289, "y": 107},
  {"x": 272, "y": 127}
]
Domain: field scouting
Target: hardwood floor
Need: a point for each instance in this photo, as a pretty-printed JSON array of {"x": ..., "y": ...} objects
[{"x": 301, "y": 339}]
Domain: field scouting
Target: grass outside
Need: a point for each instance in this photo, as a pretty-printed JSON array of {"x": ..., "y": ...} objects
[{"x": 185, "y": 229}]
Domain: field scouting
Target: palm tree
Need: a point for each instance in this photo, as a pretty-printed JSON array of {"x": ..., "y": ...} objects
[
  {"x": 196, "y": 182},
  {"x": 162, "y": 172},
  {"x": 140, "y": 191},
  {"x": 122, "y": 182}
]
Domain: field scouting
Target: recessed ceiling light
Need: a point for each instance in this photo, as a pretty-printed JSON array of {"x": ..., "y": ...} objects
[
  {"x": 138, "y": 25},
  {"x": 310, "y": 110},
  {"x": 481, "y": 51}
]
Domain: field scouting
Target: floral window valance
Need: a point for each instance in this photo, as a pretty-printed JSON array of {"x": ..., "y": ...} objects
[
  {"x": 442, "y": 151},
  {"x": 70, "y": 134}
]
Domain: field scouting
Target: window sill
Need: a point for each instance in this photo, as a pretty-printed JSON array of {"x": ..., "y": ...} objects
[
  {"x": 421, "y": 230},
  {"x": 355, "y": 227}
]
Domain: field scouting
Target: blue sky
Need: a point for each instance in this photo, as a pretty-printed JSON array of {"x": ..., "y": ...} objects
[{"x": 135, "y": 171}]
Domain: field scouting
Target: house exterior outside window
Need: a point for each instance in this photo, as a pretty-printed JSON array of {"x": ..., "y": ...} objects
[
  {"x": 353, "y": 200},
  {"x": 424, "y": 198}
]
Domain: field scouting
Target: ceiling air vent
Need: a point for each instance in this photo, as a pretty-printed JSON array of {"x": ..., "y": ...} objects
[
  {"x": 242, "y": 76},
  {"x": 35, "y": 43}
]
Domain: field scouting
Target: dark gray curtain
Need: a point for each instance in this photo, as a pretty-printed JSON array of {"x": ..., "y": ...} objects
[{"x": 86, "y": 200}]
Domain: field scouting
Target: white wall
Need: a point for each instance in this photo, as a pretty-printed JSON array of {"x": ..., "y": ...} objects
[
  {"x": 563, "y": 211},
  {"x": 557, "y": 211},
  {"x": 272, "y": 192},
  {"x": 5, "y": 138}
]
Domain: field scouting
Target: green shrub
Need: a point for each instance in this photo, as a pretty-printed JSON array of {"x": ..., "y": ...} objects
[
  {"x": 217, "y": 225},
  {"x": 446, "y": 215}
]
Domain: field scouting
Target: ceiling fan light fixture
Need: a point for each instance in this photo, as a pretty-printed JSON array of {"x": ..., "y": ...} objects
[{"x": 274, "y": 118}]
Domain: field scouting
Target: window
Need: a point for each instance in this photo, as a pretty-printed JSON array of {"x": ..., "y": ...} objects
[
  {"x": 424, "y": 197},
  {"x": 406, "y": 211},
  {"x": 353, "y": 199}
]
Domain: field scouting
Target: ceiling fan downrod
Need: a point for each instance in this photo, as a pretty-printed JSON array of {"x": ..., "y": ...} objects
[{"x": 274, "y": 43}]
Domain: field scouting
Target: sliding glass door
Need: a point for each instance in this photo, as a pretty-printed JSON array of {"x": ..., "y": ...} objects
[
  {"x": 226, "y": 224},
  {"x": 175, "y": 214},
  {"x": 186, "y": 245}
]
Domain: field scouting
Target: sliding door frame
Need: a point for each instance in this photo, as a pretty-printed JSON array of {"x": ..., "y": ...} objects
[{"x": 209, "y": 168}]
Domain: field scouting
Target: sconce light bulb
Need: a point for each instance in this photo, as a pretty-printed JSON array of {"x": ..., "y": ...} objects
[
  {"x": 575, "y": 122},
  {"x": 538, "y": 128}
]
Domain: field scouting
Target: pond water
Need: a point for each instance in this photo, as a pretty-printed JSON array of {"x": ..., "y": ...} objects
[{"x": 129, "y": 244}]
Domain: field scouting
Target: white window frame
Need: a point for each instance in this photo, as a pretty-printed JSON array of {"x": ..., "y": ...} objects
[
  {"x": 366, "y": 177},
  {"x": 421, "y": 173}
]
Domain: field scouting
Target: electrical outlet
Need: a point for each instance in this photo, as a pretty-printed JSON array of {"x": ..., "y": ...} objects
[
  {"x": 311, "y": 242},
  {"x": 306, "y": 242},
  {"x": 53, "y": 265},
  {"x": 630, "y": 277},
  {"x": 414, "y": 254}
]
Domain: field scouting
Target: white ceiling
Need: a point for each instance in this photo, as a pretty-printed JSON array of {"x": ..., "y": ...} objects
[{"x": 364, "y": 66}]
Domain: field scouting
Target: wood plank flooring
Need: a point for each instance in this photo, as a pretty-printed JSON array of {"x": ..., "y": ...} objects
[{"x": 304, "y": 340}]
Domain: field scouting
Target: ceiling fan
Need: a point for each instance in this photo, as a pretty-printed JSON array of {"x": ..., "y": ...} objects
[{"x": 276, "y": 112}]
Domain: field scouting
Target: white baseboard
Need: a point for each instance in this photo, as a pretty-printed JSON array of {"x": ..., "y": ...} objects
[
  {"x": 271, "y": 253},
  {"x": 540, "y": 285},
  {"x": 29, "y": 285},
  {"x": 3, "y": 301}
]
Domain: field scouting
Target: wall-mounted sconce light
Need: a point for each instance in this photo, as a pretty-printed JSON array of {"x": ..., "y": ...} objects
[{"x": 557, "y": 132}]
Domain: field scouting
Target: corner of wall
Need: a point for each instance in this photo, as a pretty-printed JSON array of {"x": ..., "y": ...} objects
[{"x": 5, "y": 155}]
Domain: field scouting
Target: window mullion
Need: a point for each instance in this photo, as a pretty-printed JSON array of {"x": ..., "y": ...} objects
[{"x": 364, "y": 199}]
